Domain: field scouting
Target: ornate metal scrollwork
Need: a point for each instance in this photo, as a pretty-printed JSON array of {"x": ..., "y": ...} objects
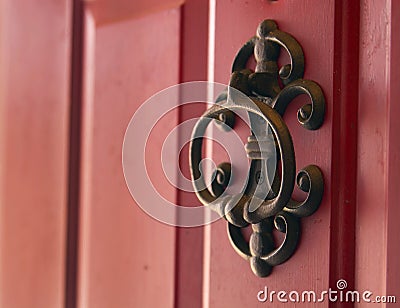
[{"x": 264, "y": 204}]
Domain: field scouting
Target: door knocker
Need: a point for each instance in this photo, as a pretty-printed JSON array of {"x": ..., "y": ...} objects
[{"x": 265, "y": 203}]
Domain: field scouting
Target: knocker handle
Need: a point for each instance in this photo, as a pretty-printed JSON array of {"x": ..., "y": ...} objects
[{"x": 232, "y": 207}]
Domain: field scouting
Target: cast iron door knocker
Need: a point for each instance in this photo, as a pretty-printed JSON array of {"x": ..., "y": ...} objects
[{"x": 266, "y": 202}]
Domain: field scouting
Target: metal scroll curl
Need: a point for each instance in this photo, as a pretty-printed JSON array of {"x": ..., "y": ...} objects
[{"x": 269, "y": 90}]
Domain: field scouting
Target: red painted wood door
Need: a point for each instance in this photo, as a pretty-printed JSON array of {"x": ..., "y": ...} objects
[
  {"x": 125, "y": 258},
  {"x": 326, "y": 32},
  {"x": 73, "y": 74},
  {"x": 118, "y": 243},
  {"x": 349, "y": 50}
]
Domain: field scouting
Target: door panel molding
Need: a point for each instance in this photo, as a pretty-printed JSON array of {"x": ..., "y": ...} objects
[{"x": 125, "y": 257}]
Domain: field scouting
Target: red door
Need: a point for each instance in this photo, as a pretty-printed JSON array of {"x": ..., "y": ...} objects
[
  {"x": 327, "y": 32},
  {"x": 72, "y": 76}
]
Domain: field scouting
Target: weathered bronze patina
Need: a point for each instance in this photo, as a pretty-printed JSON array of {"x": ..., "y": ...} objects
[{"x": 269, "y": 90}]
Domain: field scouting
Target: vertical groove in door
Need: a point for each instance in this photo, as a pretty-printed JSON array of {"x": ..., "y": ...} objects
[
  {"x": 86, "y": 154},
  {"x": 74, "y": 154},
  {"x": 344, "y": 141},
  {"x": 193, "y": 67}
]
